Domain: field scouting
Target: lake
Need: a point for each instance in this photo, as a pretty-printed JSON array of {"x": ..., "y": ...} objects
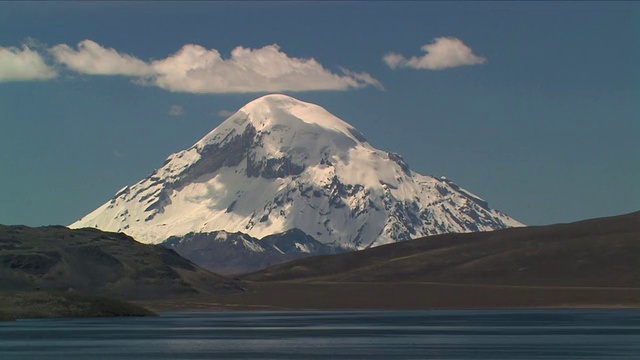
[{"x": 429, "y": 334}]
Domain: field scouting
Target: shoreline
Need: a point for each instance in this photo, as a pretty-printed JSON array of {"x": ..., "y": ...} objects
[{"x": 270, "y": 296}]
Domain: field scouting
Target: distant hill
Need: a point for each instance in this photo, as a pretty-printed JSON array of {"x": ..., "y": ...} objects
[
  {"x": 602, "y": 252},
  {"x": 89, "y": 260},
  {"x": 237, "y": 253}
]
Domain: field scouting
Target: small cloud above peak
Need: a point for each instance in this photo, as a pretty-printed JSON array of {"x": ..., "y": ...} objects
[
  {"x": 176, "y": 110},
  {"x": 443, "y": 53},
  {"x": 119, "y": 154}
]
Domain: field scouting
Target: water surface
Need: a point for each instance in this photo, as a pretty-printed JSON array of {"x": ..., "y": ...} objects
[{"x": 430, "y": 334}]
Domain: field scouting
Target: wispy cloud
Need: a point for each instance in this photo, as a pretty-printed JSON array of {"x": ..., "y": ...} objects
[
  {"x": 176, "y": 110},
  {"x": 196, "y": 69},
  {"x": 119, "y": 154},
  {"x": 225, "y": 113},
  {"x": 23, "y": 64},
  {"x": 443, "y": 53}
]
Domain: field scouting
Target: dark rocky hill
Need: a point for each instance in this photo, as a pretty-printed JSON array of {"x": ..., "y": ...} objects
[{"x": 55, "y": 258}]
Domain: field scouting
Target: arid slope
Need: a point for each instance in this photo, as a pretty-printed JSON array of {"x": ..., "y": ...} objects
[{"x": 600, "y": 252}]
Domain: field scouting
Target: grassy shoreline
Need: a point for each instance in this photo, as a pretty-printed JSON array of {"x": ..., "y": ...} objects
[
  {"x": 323, "y": 296},
  {"x": 51, "y": 304}
]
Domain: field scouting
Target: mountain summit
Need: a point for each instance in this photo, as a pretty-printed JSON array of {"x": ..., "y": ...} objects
[{"x": 279, "y": 164}]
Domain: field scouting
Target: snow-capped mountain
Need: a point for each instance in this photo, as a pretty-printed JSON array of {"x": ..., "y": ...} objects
[{"x": 278, "y": 164}]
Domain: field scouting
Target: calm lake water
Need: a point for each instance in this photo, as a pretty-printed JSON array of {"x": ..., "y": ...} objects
[{"x": 432, "y": 334}]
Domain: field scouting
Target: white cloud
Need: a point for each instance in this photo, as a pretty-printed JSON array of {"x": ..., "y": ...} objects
[
  {"x": 176, "y": 110},
  {"x": 225, "y": 113},
  {"x": 199, "y": 70},
  {"x": 92, "y": 58},
  {"x": 443, "y": 53},
  {"x": 23, "y": 64},
  {"x": 195, "y": 69}
]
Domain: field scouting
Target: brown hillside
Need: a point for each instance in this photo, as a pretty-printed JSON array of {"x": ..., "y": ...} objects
[{"x": 602, "y": 252}]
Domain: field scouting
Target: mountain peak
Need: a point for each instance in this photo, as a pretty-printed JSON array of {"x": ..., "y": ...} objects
[
  {"x": 282, "y": 101},
  {"x": 273, "y": 98},
  {"x": 271, "y": 101},
  {"x": 282, "y": 112}
]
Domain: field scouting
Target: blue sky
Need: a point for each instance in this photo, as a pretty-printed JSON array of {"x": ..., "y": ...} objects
[{"x": 541, "y": 117}]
